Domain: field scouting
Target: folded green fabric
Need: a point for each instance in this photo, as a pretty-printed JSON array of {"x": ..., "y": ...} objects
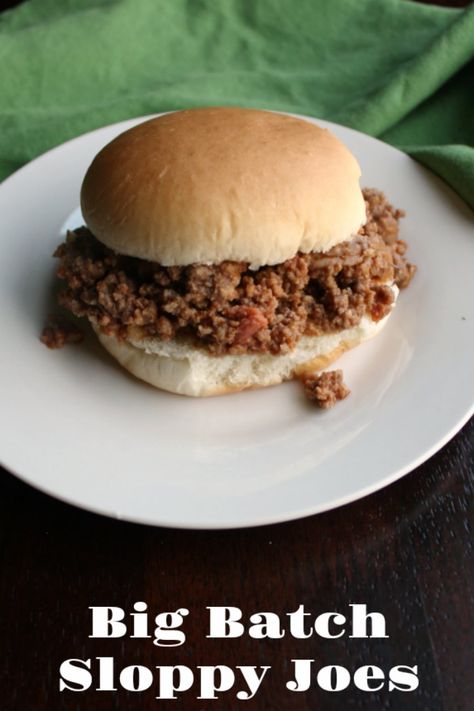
[{"x": 391, "y": 68}]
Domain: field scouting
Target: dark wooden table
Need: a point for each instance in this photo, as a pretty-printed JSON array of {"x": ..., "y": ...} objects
[{"x": 406, "y": 551}]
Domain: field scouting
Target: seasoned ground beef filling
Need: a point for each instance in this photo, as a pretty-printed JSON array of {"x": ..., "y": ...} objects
[
  {"x": 228, "y": 308},
  {"x": 58, "y": 332},
  {"x": 325, "y": 389}
]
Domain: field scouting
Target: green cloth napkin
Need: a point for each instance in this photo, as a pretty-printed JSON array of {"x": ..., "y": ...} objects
[{"x": 391, "y": 68}]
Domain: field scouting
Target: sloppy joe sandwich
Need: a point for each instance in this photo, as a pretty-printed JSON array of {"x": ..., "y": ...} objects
[{"x": 230, "y": 248}]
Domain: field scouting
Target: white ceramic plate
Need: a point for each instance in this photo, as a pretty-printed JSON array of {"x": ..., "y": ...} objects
[{"x": 76, "y": 426}]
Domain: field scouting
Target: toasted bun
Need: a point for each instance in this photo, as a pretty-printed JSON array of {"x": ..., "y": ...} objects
[
  {"x": 216, "y": 184},
  {"x": 183, "y": 369}
]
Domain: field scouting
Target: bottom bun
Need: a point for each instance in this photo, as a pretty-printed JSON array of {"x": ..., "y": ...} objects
[{"x": 184, "y": 369}]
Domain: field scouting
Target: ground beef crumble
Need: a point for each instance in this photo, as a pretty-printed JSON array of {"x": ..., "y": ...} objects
[
  {"x": 325, "y": 389},
  {"x": 382, "y": 220},
  {"x": 58, "y": 332},
  {"x": 228, "y": 308}
]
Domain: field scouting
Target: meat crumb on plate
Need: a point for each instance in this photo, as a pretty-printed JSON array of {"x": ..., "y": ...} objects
[
  {"x": 58, "y": 332},
  {"x": 325, "y": 389}
]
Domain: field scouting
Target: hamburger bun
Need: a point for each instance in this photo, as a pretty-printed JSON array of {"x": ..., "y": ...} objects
[{"x": 214, "y": 184}]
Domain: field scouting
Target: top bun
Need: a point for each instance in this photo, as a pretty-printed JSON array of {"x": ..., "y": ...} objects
[{"x": 214, "y": 184}]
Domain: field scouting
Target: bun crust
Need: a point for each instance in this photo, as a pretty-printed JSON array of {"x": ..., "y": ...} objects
[
  {"x": 214, "y": 184},
  {"x": 185, "y": 370}
]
